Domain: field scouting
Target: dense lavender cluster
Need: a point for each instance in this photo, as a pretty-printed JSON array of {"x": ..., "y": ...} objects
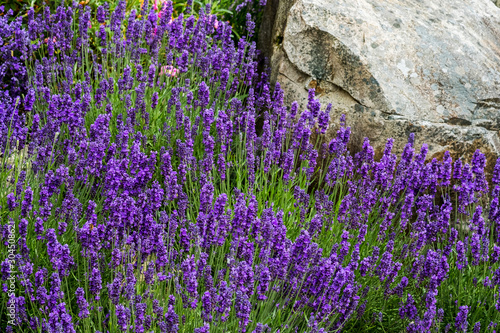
[
  {"x": 157, "y": 183},
  {"x": 12, "y": 56}
]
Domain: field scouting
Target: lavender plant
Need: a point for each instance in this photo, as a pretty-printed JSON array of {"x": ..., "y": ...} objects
[
  {"x": 156, "y": 183},
  {"x": 12, "y": 56}
]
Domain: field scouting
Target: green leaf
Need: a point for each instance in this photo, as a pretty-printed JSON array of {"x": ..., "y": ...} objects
[{"x": 221, "y": 10}]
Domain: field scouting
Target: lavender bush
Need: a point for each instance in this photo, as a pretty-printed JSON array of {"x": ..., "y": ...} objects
[
  {"x": 156, "y": 183},
  {"x": 12, "y": 56}
]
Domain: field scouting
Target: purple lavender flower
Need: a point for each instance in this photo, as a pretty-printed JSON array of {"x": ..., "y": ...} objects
[
  {"x": 11, "y": 201},
  {"x": 496, "y": 173},
  {"x": 261, "y": 328},
  {"x": 154, "y": 100},
  {"x": 243, "y": 308},
  {"x": 206, "y": 301},
  {"x": 171, "y": 323},
  {"x": 123, "y": 317},
  {"x": 190, "y": 279},
  {"x": 23, "y": 227},
  {"x": 461, "y": 256},
  {"x": 264, "y": 279},
  {"x": 102, "y": 13},
  {"x": 26, "y": 204},
  {"x": 83, "y": 305},
  {"x": 206, "y": 197},
  {"x": 324, "y": 119},
  {"x": 495, "y": 255},
  {"x": 475, "y": 247},
  {"x": 115, "y": 289},
  {"x": 29, "y": 100},
  {"x": 204, "y": 329},
  {"x": 250, "y": 25},
  {"x": 408, "y": 310},
  {"x": 461, "y": 319},
  {"x": 401, "y": 286},
  {"x": 224, "y": 301},
  {"x": 39, "y": 226},
  {"x": 95, "y": 281}
]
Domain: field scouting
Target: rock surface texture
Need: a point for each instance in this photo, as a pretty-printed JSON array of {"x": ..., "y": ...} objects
[{"x": 431, "y": 67}]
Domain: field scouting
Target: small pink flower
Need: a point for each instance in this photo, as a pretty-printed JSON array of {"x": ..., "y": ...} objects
[
  {"x": 46, "y": 40},
  {"x": 169, "y": 71},
  {"x": 156, "y": 7},
  {"x": 215, "y": 22}
]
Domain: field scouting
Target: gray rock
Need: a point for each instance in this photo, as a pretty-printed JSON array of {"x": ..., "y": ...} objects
[{"x": 425, "y": 66}]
